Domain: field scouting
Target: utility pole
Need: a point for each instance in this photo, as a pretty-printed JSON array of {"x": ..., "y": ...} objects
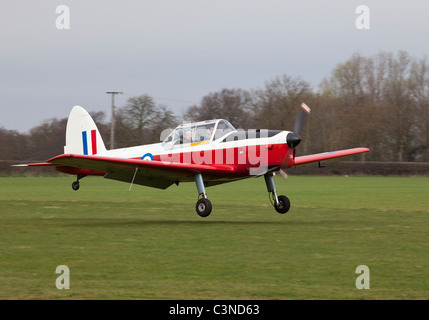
[{"x": 112, "y": 124}]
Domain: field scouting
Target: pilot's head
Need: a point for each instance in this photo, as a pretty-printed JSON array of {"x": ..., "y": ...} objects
[{"x": 188, "y": 136}]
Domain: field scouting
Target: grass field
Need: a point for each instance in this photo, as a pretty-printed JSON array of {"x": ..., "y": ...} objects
[{"x": 151, "y": 244}]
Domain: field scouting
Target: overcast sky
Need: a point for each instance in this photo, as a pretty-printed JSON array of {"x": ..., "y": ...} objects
[{"x": 178, "y": 51}]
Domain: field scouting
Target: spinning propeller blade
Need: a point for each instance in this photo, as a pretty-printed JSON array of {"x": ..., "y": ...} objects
[
  {"x": 283, "y": 173},
  {"x": 305, "y": 111},
  {"x": 293, "y": 139}
]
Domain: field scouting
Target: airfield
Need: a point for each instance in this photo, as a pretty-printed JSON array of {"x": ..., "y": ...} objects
[{"x": 150, "y": 243}]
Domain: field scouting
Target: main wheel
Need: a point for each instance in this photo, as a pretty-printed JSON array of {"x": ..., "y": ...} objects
[
  {"x": 75, "y": 185},
  {"x": 203, "y": 207},
  {"x": 284, "y": 204}
]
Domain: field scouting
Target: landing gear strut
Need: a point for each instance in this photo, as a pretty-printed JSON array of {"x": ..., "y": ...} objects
[
  {"x": 75, "y": 184},
  {"x": 280, "y": 203},
  {"x": 203, "y": 206}
]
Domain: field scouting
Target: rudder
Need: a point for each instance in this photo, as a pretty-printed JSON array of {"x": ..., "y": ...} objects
[{"x": 82, "y": 134}]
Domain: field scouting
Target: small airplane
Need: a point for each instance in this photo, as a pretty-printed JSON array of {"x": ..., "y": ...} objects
[{"x": 207, "y": 152}]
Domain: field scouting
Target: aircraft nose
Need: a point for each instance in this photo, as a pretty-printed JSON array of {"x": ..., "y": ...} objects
[{"x": 293, "y": 140}]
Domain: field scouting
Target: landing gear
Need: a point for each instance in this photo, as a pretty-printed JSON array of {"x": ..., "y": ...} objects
[
  {"x": 75, "y": 184},
  {"x": 280, "y": 203},
  {"x": 203, "y": 206},
  {"x": 283, "y": 205}
]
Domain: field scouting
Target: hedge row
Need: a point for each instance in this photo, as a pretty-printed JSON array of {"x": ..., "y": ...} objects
[{"x": 363, "y": 168}]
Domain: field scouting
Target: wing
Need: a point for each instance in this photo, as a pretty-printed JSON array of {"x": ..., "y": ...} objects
[
  {"x": 158, "y": 174},
  {"x": 327, "y": 155}
]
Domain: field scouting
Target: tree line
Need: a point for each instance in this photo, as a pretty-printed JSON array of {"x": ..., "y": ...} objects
[{"x": 380, "y": 102}]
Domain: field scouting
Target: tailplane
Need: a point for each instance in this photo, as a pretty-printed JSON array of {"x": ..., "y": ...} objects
[{"x": 82, "y": 135}]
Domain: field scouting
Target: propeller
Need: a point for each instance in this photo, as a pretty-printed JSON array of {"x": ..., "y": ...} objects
[
  {"x": 305, "y": 111},
  {"x": 293, "y": 139}
]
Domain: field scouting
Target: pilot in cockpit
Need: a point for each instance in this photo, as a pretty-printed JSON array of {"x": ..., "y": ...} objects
[
  {"x": 211, "y": 132},
  {"x": 188, "y": 137}
]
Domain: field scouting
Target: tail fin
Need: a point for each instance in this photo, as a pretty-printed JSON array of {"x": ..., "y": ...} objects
[{"x": 82, "y": 135}]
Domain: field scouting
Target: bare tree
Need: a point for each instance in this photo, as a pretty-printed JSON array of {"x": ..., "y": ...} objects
[
  {"x": 419, "y": 86},
  {"x": 13, "y": 145},
  {"x": 377, "y": 105},
  {"x": 355, "y": 84},
  {"x": 166, "y": 120},
  {"x": 231, "y": 104},
  {"x": 140, "y": 119},
  {"x": 47, "y": 140},
  {"x": 401, "y": 116},
  {"x": 275, "y": 105}
]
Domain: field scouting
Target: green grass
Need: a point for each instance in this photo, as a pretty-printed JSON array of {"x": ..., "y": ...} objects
[{"x": 151, "y": 244}]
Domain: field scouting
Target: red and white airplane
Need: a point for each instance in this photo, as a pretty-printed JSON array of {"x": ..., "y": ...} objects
[{"x": 206, "y": 152}]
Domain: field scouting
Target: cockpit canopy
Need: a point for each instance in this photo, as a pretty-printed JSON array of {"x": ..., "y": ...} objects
[{"x": 197, "y": 133}]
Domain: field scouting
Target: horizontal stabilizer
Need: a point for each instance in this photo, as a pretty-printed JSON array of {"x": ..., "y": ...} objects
[{"x": 40, "y": 164}]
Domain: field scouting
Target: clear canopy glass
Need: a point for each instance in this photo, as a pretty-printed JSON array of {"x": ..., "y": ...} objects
[{"x": 198, "y": 133}]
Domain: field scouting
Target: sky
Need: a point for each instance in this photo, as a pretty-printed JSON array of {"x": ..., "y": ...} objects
[{"x": 178, "y": 51}]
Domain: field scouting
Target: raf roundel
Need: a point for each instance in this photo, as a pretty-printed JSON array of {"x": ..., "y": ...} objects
[{"x": 147, "y": 156}]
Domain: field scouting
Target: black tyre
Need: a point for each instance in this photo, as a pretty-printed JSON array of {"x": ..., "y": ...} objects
[
  {"x": 203, "y": 207},
  {"x": 75, "y": 185},
  {"x": 284, "y": 204}
]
